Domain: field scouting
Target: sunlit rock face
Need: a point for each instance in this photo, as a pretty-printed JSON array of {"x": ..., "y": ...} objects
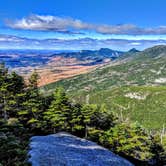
[{"x": 63, "y": 149}]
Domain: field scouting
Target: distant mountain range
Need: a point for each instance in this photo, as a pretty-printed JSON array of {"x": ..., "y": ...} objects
[
  {"x": 24, "y": 58},
  {"x": 133, "y": 84},
  {"x": 115, "y": 67},
  {"x": 95, "y": 55},
  {"x": 53, "y": 65},
  {"x": 146, "y": 67}
]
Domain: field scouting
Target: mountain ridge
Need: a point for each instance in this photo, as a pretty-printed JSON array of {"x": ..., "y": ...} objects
[
  {"x": 138, "y": 72},
  {"x": 102, "y": 53},
  {"x": 134, "y": 69}
]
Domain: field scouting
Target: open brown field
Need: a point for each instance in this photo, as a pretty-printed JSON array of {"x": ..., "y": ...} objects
[{"x": 58, "y": 68}]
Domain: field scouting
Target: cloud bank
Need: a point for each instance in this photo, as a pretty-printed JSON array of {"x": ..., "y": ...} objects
[
  {"x": 71, "y": 25},
  {"x": 15, "y": 42}
]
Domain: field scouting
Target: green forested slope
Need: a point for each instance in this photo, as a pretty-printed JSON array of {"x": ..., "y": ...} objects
[
  {"x": 144, "y": 72},
  {"x": 144, "y": 104},
  {"x": 24, "y": 112},
  {"x": 145, "y": 68}
]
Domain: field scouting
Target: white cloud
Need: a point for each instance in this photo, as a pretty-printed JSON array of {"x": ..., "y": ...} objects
[
  {"x": 135, "y": 44},
  {"x": 10, "y": 38},
  {"x": 48, "y": 23},
  {"x": 70, "y": 25},
  {"x": 9, "y": 41}
]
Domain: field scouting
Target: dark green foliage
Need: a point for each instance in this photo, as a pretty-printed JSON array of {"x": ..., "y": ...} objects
[
  {"x": 25, "y": 112},
  {"x": 158, "y": 150},
  {"x": 13, "y": 143},
  {"x": 33, "y": 80},
  {"x": 87, "y": 113},
  {"x": 76, "y": 121},
  {"x": 130, "y": 140},
  {"x": 32, "y": 105},
  {"x": 102, "y": 118},
  {"x": 58, "y": 115},
  {"x": 16, "y": 98},
  {"x": 11, "y": 150},
  {"x": 149, "y": 111}
]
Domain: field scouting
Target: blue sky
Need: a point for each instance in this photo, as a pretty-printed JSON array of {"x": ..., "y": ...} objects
[{"x": 138, "y": 22}]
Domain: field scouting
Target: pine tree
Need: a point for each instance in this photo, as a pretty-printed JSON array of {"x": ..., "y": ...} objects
[
  {"x": 76, "y": 121},
  {"x": 128, "y": 140},
  {"x": 102, "y": 118},
  {"x": 33, "y": 80},
  {"x": 59, "y": 113},
  {"x": 30, "y": 113},
  {"x": 87, "y": 112},
  {"x": 17, "y": 84},
  {"x": 10, "y": 86},
  {"x": 3, "y": 90}
]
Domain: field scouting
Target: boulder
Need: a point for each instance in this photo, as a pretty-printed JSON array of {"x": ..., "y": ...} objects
[{"x": 63, "y": 149}]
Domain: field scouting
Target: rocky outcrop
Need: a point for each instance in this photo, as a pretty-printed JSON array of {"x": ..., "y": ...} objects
[{"x": 63, "y": 149}]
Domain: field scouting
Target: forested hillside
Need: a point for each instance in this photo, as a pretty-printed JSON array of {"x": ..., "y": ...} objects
[
  {"x": 134, "y": 86},
  {"x": 138, "y": 68},
  {"x": 25, "y": 112},
  {"x": 144, "y": 104}
]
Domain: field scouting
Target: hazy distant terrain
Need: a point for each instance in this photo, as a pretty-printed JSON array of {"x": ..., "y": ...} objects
[
  {"x": 55, "y": 65},
  {"x": 141, "y": 68}
]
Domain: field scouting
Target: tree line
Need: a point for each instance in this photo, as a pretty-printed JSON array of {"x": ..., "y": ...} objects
[{"x": 25, "y": 112}]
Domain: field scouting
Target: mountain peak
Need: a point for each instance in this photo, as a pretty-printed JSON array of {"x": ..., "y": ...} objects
[
  {"x": 156, "y": 51},
  {"x": 105, "y": 49},
  {"x": 133, "y": 50}
]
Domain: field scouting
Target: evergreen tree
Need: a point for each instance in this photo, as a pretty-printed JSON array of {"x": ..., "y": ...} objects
[
  {"x": 33, "y": 80},
  {"x": 87, "y": 112},
  {"x": 159, "y": 153},
  {"x": 102, "y": 118},
  {"x": 76, "y": 122},
  {"x": 59, "y": 113},
  {"x": 31, "y": 111},
  {"x": 4, "y": 93},
  {"x": 10, "y": 86},
  {"x": 17, "y": 84},
  {"x": 128, "y": 140}
]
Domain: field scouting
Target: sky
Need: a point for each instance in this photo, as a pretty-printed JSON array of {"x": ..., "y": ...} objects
[{"x": 82, "y": 24}]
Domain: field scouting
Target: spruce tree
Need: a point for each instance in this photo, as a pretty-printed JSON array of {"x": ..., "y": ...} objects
[
  {"x": 32, "y": 105},
  {"x": 11, "y": 85},
  {"x": 59, "y": 113},
  {"x": 76, "y": 122},
  {"x": 87, "y": 112}
]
